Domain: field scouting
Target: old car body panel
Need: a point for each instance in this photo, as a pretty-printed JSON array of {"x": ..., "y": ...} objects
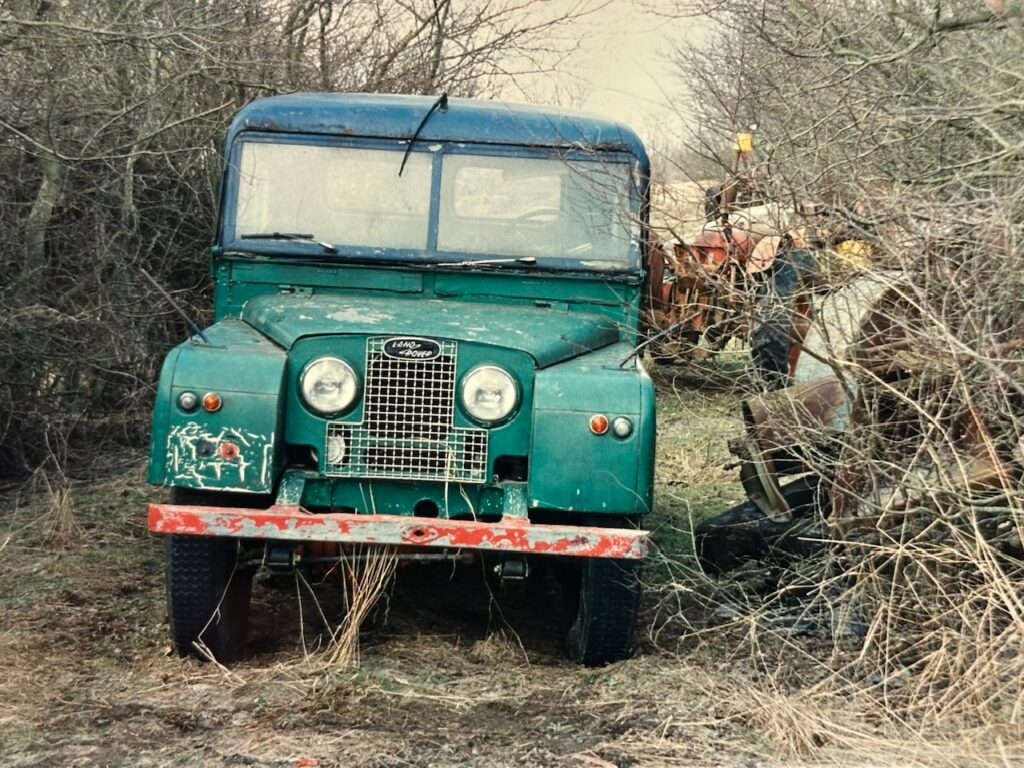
[
  {"x": 240, "y": 279},
  {"x": 819, "y": 402},
  {"x": 548, "y": 335},
  {"x": 246, "y": 369},
  {"x": 619, "y": 471},
  {"x": 387, "y": 116}
]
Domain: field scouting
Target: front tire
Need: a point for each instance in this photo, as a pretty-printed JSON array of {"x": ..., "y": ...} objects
[
  {"x": 208, "y": 591},
  {"x": 604, "y": 612}
]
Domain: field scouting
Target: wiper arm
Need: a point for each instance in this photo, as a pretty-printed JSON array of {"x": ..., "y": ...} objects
[
  {"x": 483, "y": 262},
  {"x": 442, "y": 104},
  {"x": 297, "y": 236}
]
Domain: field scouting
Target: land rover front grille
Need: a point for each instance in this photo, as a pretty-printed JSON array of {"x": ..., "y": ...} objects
[{"x": 407, "y": 431}]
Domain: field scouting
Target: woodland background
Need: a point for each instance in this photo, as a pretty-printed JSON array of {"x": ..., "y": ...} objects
[{"x": 906, "y": 114}]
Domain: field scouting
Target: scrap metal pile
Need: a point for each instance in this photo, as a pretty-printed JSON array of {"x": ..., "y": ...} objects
[
  {"x": 874, "y": 421},
  {"x": 747, "y": 271},
  {"x": 888, "y": 429}
]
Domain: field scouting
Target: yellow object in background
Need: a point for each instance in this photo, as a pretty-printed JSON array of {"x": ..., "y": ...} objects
[
  {"x": 744, "y": 142},
  {"x": 848, "y": 257}
]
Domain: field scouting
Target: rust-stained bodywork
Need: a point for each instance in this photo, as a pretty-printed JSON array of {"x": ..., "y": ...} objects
[
  {"x": 798, "y": 432},
  {"x": 287, "y": 522},
  {"x": 777, "y": 421},
  {"x": 817, "y": 404}
]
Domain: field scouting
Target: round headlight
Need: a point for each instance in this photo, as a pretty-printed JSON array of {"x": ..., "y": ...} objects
[
  {"x": 328, "y": 385},
  {"x": 489, "y": 394}
]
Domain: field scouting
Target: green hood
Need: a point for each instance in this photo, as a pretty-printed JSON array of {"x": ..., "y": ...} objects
[{"x": 548, "y": 335}]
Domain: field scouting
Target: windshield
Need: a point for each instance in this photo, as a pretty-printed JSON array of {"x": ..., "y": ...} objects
[
  {"x": 514, "y": 206},
  {"x": 572, "y": 213},
  {"x": 339, "y": 196}
]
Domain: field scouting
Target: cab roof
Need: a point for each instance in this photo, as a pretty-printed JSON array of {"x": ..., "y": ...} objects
[{"x": 387, "y": 116}]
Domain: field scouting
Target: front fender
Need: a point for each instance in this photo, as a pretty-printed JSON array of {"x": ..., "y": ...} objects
[
  {"x": 574, "y": 470},
  {"x": 239, "y": 447}
]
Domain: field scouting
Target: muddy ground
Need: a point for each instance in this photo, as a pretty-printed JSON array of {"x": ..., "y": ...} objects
[{"x": 453, "y": 670}]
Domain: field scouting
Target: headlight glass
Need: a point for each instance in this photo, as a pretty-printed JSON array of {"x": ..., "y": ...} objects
[
  {"x": 489, "y": 394},
  {"x": 328, "y": 385}
]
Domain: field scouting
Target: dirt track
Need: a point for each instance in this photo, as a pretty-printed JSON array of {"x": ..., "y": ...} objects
[{"x": 447, "y": 676}]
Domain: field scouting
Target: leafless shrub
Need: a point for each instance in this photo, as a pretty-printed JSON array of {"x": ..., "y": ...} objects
[
  {"x": 906, "y": 117},
  {"x": 50, "y": 483},
  {"x": 110, "y": 122}
]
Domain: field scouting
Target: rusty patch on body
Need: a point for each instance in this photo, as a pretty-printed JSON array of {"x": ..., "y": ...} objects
[{"x": 288, "y": 522}]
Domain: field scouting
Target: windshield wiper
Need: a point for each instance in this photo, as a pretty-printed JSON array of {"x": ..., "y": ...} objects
[
  {"x": 297, "y": 236},
  {"x": 484, "y": 262},
  {"x": 441, "y": 104}
]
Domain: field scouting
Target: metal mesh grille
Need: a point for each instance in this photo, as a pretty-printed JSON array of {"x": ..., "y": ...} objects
[
  {"x": 409, "y": 398},
  {"x": 407, "y": 430}
]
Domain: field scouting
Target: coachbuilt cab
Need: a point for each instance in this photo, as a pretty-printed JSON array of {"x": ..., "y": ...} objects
[{"x": 426, "y": 312}]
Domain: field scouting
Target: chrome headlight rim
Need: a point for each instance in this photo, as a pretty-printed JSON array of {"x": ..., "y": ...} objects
[
  {"x": 467, "y": 408},
  {"x": 307, "y": 401}
]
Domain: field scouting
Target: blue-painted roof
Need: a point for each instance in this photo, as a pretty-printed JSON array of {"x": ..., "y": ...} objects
[{"x": 396, "y": 117}]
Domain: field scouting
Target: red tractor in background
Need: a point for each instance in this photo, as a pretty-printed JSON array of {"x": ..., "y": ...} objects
[
  {"x": 748, "y": 272},
  {"x": 697, "y": 289}
]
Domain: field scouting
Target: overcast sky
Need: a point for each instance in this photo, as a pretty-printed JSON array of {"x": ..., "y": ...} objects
[{"x": 623, "y": 68}]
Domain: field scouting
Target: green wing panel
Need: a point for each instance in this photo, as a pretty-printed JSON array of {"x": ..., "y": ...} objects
[
  {"x": 574, "y": 470},
  {"x": 238, "y": 447}
]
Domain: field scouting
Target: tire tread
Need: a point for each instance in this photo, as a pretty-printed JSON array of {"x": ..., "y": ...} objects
[
  {"x": 207, "y": 596},
  {"x": 609, "y": 602}
]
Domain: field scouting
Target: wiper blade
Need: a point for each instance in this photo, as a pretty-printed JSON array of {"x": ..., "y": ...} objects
[
  {"x": 484, "y": 262},
  {"x": 441, "y": 104},
  {"x": 297, "y": 236}
]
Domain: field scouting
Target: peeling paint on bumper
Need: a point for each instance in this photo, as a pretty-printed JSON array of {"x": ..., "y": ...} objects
[{"x": 289, "y": 523}]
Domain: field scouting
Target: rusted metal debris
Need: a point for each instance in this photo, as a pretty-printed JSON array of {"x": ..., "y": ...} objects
[
  {"x": 864, "y": 385},
  {"x": 720, "y": 280}
]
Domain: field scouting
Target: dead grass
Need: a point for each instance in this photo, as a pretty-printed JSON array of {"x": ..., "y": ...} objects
[
  {"x": 50, "y": 488},
  {"x": 366, "y": 575},
  {"x": 447, "y": 671}
]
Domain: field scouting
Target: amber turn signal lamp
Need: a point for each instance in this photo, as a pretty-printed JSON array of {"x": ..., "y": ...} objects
[
  {"x": 212, "y": 402},
  {"x": 598, "y": 423}
]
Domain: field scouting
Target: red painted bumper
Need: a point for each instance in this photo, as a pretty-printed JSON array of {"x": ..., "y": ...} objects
[{"x": 289, "y": 523}]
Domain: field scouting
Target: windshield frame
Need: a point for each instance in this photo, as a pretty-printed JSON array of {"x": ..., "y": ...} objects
[{"x": 228, "y": 239}]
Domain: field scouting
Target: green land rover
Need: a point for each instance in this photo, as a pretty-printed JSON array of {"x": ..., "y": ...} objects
[{"x": 426, "y": 312}]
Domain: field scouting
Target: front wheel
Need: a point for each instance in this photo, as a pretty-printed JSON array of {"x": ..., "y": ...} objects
[
  {"x": 208, "y": 590},
  {"x": 604, "y": 612}
]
